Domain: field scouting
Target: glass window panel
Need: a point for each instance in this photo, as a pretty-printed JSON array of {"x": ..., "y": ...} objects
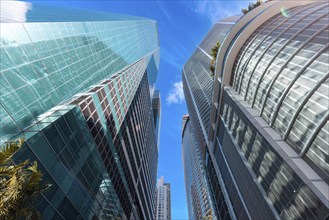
[{"x": 319, "y": 151}]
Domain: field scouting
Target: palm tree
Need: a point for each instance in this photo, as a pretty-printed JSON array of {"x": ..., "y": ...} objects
[{"x": 20, "y": 184}]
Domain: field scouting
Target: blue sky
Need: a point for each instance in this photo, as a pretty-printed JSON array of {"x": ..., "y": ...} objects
[{"x": 182, "y": 25}]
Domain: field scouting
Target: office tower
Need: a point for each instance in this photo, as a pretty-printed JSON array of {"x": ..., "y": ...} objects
[
  {"x": 198, "y": 80},
  {"x": 163, "y": 201},
  {"x": 197, "y": 190},
  {"x": 79, "y": 87},
  {"x": 267, "y": 146}
]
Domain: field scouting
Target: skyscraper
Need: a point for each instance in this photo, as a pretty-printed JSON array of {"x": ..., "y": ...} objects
[
  {"x": 163, "y": 201},
  {"x": 267, "y": 147},
  {"x": 198, "y": 82},
  {"x": 197, "y": 190},
  {"x": 79, "y": 87}
]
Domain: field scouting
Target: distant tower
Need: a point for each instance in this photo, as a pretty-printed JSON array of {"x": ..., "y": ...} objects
[
  {"x": 163, "y": 201},
  {"x": 199, "y": 201}
]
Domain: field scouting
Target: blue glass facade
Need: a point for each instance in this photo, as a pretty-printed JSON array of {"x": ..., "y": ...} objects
[
  {"x": 68, "y": 157},
  {"x": 44, "y": 64},
  {"x": 79, "y": 88}
]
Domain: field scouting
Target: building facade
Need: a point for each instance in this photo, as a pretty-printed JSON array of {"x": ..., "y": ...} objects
[
  {"x": 163, "y": 201},
  {"x": 198, "y": 80},
  {"x": 266, "y": 151},
  {"x": 197, "y": 190},
  {"x": 79, "y": 87},
  {"x": 156, "y": 105},
  {"x": 198, "y": 86}
]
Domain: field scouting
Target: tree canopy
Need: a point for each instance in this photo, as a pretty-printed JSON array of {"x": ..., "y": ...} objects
[{"x": 20, "y": 184}]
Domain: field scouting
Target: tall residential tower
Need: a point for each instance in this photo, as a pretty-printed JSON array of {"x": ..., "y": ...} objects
[
  {"x": 79, "y": 87},
  {"x": 267, "y": 145},
  {"x": 197, "y": 190},
  {"x": 163, "y": 201}
]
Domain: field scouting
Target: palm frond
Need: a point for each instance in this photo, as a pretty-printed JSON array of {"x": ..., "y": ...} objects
[
  {"x": 19, "y": 185},
  {"x": 9, "y": 149}
]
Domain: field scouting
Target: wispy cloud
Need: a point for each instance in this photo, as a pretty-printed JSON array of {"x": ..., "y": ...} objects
[
  {"x": 162, "y": 8},
  {"x": 176, "y": 94},
  {"x": 175, "y": 54},
  {"x": 217, "y": 10}
]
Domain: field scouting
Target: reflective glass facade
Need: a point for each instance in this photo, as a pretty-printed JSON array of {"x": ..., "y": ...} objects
[
  {"x": 69, "y": 159},
  {"x": 45, "y": 63},
  {"x": 79, "y": 89}
]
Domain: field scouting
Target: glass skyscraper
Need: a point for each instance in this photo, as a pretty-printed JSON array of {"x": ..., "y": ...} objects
[
  {"x": 198, "y": 80},
  {"x": 197, "y": 190},
  {"x": 79, "y": 87},
  {"x": 266, "y": 153}
]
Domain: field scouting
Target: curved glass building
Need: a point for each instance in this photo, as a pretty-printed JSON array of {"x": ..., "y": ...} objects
[
  {"x": 78, "y": 86},
  {"x": 267, "y": 145}
]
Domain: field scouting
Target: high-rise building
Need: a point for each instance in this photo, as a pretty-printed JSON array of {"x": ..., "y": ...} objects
[
  {"x": 198, "y": 80},
  {"x": 79, "y": 87},
  {"x": 163, "y": 201},
  {"x": 266, "y": 151},
  {"x": 197, "y": 190}
]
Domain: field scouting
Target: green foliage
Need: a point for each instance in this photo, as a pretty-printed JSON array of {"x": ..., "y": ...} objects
[
  {"x": 251, "y": 6},
  {"x": 208, "y": 215},
  {"x": 213, "y": 54},
  {"x": 9, "y": 149},
  {"x": 244, "y": 11},
  {"x": 20, "y": 184}
]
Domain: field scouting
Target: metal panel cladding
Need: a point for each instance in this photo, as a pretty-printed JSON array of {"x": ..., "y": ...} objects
[{"x": 282, "y": 71}]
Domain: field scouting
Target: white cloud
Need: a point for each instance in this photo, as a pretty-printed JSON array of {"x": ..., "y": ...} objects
[
  {"x": 176, "y": 94},
  {"x": 217, "y": 10}
]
